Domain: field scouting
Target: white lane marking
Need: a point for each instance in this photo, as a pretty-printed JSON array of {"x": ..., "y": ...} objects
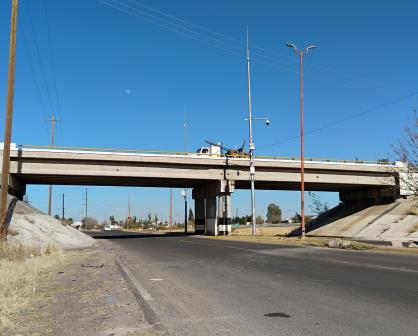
[{"x": 156, "y": 279}]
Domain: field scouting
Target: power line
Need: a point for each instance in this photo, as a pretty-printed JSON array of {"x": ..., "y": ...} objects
[
  {"x": 204, "y": 32},
  {"x": 353, "y": 116},
  {"x": 52, "y": 58},
  {"x": 179, "y": 30},
  {"x": 38, "y": 54},
  {"x": 38, "y": 91}
]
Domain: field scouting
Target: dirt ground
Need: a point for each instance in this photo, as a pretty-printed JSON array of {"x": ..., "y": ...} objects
[
  {"x": 85, "y": 295},
  {"x": 264, "y": 231}
]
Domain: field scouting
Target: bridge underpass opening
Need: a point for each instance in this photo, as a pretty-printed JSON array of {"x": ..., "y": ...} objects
[{"x": 129, "y": 206}]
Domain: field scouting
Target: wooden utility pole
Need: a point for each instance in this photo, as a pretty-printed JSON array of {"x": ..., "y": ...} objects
[
  {"x": 53, "y": 121},
  {"x": 8, "y": 124}
]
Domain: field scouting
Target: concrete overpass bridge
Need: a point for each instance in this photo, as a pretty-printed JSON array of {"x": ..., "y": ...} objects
[{"x": 212, "y": 178}]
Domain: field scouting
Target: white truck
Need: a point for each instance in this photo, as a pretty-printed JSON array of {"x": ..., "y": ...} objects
[{"x": 210, "y": 150}]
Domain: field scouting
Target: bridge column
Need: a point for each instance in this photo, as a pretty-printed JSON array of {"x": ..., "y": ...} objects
[
  {"x": 216, "y": 222},
  {"x": 211, "y": 219},
  {"x": 199, "y": 216},
  {"x": 16, "y": 187},
  {"x": 224, "y": 215}
]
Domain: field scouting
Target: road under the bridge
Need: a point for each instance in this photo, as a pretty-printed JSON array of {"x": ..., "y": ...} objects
[{"x": 214, "y": 287}]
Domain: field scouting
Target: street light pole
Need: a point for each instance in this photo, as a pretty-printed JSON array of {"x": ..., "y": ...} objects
[
  {"x": 185, "y": 189},
  {"x": 251, "y": 142},
  {"x": 301, "y": 54}
]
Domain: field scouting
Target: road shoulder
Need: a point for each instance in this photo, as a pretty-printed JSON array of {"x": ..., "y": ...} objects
[{"x": 86, "y": 296}]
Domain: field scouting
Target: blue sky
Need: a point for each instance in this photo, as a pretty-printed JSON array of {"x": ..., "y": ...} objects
[{"x": 125, "y": 80}]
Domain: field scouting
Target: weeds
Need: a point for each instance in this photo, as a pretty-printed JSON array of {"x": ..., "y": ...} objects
[
  {"x": 413, "y": 211},
  {"x": 20, "y": 270}
]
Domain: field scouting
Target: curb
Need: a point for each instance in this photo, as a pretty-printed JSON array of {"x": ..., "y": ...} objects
[{"x": 141, "y": 295}]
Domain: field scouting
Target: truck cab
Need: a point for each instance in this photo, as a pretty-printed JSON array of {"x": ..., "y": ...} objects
[{"x": 209, "y": 150}]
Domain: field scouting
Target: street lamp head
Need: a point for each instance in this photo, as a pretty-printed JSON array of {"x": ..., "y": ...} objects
[
  {"x": 312, "y": 47},
  {"x": 291, "y": 45}
]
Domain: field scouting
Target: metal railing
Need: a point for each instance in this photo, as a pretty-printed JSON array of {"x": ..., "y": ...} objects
[{"x": 174, "y": 153}]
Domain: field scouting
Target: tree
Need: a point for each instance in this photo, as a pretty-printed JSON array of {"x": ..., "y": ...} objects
[
  {"x": 296, "y": 218},
  {"x": 92, "y": 223},
  {"x": 259, "y": 220},
  {"x": 406, "y": 151},
  {"x": 190, "y": 219},
  {"x": 317, "y": 206},
  {"x": 57, "y": 217},
  {"x": 274, "y": 213},
  {"x": 112, "y": 219}
]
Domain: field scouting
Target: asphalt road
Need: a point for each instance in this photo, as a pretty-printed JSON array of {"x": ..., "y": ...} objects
[{"x": 213, "y": 287}]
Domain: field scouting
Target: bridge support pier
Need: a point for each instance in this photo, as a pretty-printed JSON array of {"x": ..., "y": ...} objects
[
  {"x": 211, "y": 219},
  {"x": 209, "y": 197},
  {"x": 224, "y": 215},
  {"x": 199, "y": 216}
]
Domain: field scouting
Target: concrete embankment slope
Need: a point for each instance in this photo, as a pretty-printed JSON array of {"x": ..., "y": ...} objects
[
  {"x": 31, "y": 226},
  {"x": 396, "y": 222}
]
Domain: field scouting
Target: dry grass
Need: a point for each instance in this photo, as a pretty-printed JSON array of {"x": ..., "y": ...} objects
[
  {"x": 413, "y": 211},
  {"x": 20, "y": 270},
  {"x": 264, "y": 231}
]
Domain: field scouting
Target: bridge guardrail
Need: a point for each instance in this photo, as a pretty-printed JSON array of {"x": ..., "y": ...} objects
[{"x": 159, "y": 152}]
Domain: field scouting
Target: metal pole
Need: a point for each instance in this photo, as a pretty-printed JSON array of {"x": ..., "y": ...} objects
[
  {"x": 302, "y": 150},
  {"x": 251, "y": 144},
  {"x": 171, "y": 208},
  {"x": 50, "y": 186},
  {"x": 185, "y": 189},
  {"x": 85, "y": 219},
  {"x": 185, "y": 214},
  {"x": 63, "y": 206},
  {"x": 8, "y": 123}
]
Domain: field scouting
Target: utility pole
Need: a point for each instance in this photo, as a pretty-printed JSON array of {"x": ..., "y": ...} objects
[
  {"x": 53, "y": 120},
  {"x": 129, "y": 207},
  {"x": 301, "y": 54},
  {"x": 185, "y": 189},
  {"x": 86, "y": 208},
  {"x": 171, "y": 207},
  {"x": 8, "y": 123},
  {"x": 63, "y": 206}
]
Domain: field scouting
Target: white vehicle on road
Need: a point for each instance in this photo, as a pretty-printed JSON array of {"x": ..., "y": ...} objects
[{"x": 210, "y": 150}]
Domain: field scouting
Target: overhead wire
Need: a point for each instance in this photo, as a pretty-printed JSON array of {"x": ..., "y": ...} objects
[
  {"x": 38, "y": 54},
  {"x": 33, "y": 72},
  {"x": 190, "y": 33},
  {"x": 284, "y": 59},
  {"x": 339, "y": 121},
  {"x": 54, "y": 79},
  {"x": 169, "y": 25}
]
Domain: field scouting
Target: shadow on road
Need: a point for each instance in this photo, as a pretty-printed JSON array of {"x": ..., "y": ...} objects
[{"x": 115, "y": 234}]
